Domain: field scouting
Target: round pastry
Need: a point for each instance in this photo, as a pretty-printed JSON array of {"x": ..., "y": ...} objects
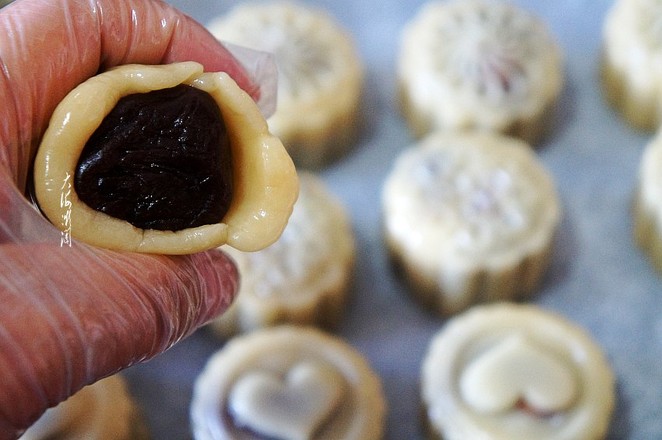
[
  {"x": 288, "y": 383},
  {"x": 470, "y": 217},
  {"x": 303, "y": 277},
  {"x": 109, "y": 175},
  {"x": 103, "y": 410},
  {"x": 477, "y": 64},
  {"x": 507, "y": 371},
  {"x": 632, "y": 61},
  {"x": 320, "y": 75},
  {"x": 647, "y": 209}
]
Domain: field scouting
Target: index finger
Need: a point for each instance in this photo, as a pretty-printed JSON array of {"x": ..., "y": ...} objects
[{"x": 50, "y": 46}]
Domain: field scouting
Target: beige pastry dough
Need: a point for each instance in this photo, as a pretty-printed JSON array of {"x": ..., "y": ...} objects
[
  {"x": 509, "y": 372},
  {"x": 477, "y": 64},
  {"x": 289, "y": 383},
  {"x": 320, "y": 75},
  {"x": 470, "y": 218},
  {"x": 632, "y": 61},
  {"x": 302, "y": 278},
  {"x": 265, "y": 183},
  {"x": 101, "y": 411}
]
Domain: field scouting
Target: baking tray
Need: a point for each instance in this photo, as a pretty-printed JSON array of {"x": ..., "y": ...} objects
[{"x": 598, "y": 278}]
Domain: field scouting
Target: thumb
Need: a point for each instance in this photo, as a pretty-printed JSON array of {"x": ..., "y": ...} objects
[{"x": 79, "y": 314}]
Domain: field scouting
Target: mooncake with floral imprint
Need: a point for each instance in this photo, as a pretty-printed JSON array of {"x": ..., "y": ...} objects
[
  {"x": 319, "y": 114},
  {"x": 470, "y": 217},
  {"x": 304, "y": 277},
  {"x": 479, "y": 64}
]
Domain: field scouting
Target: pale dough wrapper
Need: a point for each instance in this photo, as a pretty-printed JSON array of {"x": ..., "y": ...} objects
[
  {"x": 470, "y": 217},
  {"x": 101, "y": 411},
  {"x": 515, "y": 372},
  {"x": 264, "y": 177},
  {"x": 632, "y": 61},
  {"x": 288, "y": 382},
  {"x": 303, "y": 278},
  {"x": 318, "y": 113},
  {"x": 476, "y": 64}
]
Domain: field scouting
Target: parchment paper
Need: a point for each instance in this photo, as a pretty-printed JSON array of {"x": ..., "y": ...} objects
[{"x": 598, "y": 278}]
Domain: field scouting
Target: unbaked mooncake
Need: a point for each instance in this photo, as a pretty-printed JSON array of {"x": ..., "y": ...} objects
[
  {"x": 101, "y": 411},
  {"x": 318, "y": 114},
  {"x": 515, "y": 372},
  {"x": 304, "y": 277},
  {"x": 470, "y": 217},
  {"x": 287, "y": 383},
  {"x": 647, "y": 209},
  {"x": 479, "y": 64},
  {"x": 163, "y": 159},
  {"x": 632, "y": 61}
]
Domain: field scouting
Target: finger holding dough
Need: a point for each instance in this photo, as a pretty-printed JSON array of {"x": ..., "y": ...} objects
[{"x": 58, "y": 44}]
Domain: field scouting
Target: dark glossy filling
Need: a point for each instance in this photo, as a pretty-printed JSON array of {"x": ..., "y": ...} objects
[
  {"x": 159, "y": 160},
  {"x": 524, "y": 406}
]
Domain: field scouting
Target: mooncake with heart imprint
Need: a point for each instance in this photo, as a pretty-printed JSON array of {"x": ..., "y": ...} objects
[
  {"x": 288, "y": 382},
  {"x": 515, "y": 372}
]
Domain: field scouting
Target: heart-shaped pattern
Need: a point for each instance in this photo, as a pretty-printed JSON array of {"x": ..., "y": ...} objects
[
  {"x": 517, "y": 372},
  {"x": 293, "y": 407}
]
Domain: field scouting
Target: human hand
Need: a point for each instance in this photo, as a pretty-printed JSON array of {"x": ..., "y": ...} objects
[{"x": 70, "y": 315}]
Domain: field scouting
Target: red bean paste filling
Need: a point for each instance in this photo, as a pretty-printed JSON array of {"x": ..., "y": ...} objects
[{"x": 159, "y": 160}]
